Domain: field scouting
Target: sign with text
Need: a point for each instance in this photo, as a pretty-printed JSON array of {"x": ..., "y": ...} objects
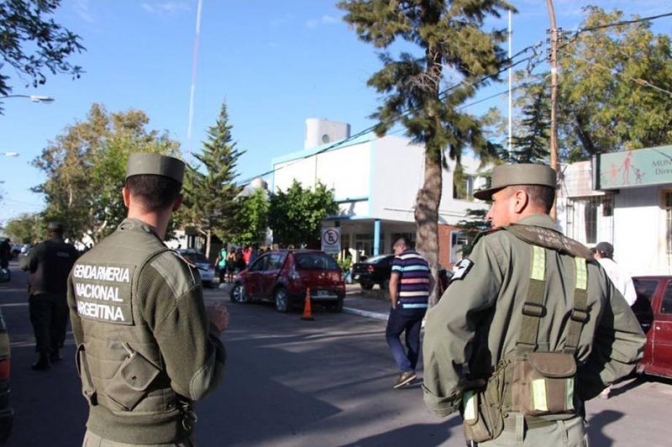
[
  {"x": 639, "y": 167},
  {"x": 331, "y": 240}
]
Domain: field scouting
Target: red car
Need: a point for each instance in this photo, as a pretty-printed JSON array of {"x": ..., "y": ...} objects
[
  {"x": 654, "y": 312},
  {"x": 283, "y": 276}
]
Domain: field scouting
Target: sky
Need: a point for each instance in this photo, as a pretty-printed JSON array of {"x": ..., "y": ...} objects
[{"x": 274, "y": 62}]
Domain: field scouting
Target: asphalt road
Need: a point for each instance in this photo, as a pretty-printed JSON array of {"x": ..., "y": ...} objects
[{"x": 299, "y": 383}]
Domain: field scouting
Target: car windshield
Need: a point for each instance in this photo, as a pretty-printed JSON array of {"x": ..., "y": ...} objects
[
  {"x": 315, "y": 261},
  {"x": 375, "y": 259}
]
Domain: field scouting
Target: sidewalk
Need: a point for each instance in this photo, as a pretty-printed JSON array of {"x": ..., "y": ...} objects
[{"x": 373, "y": 303}]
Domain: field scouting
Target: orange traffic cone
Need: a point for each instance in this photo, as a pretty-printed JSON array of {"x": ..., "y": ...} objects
[{"x": 307, "y": 311}]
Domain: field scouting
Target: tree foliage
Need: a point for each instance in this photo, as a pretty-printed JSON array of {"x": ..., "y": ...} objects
[
  {"x": 32, "y": 43},
  {"x": 85, "y": 169},
  {"x": 26, "y": 228},
  {"x": 471, "y": 226},
  {"x": 252, "y": 218},
  {"x": 609, "y": 96},
  {"x": 296, "y": 215},
  {"x": 210, "y": 190},
  {"x": 454, "y": 57}
]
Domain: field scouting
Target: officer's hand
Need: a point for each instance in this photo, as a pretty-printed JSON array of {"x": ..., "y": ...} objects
[{"x": 219, "y": 316}]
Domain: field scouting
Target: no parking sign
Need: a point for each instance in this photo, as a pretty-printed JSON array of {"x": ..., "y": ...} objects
[{"x": 331, "y": 240}]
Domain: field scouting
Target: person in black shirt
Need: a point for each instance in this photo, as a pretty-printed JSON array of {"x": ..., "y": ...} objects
[{"x": 49, "y": 265}]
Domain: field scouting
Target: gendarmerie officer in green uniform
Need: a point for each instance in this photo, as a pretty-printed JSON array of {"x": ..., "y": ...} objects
[
  {"x": 48, "y": 265},
  {"x": 530, "y": 327},
  {"x": 147, "y": 348}
]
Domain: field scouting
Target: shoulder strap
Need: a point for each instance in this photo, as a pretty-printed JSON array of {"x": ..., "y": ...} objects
[
  {"x": 580, "y": 314},
  {"x": 533, "y": 307}
]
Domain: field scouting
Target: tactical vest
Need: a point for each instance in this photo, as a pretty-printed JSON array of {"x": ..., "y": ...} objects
[
  {"x": 119, "y": 362},
  {"x": 538, "y": 386}
]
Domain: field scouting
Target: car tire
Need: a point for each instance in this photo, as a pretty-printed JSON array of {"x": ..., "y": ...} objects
[
  {"x": 385, "y": 285},
  {"x": 239, "y": 295},
  {"x": 207, "y": 284},
  {"x": 366, "y": 285},
  {"x": 281, "y": 300}
]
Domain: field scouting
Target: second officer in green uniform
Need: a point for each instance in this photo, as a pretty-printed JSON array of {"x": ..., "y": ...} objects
[
  {"x": 147, "y": 348},
  {"x": 530, "y": 328}
]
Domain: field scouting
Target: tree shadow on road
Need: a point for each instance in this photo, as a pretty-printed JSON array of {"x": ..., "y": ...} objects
[
  {"x": 596, "y": 427},
  {"x": 418, "y": 435}
]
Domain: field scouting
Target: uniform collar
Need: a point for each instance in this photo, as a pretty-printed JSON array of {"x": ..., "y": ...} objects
[
  {"x": 136, "y": 224},
  {"x": 539, "y": 220}
]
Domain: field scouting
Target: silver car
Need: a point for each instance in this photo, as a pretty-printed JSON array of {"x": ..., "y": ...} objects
[{"x": 205, "y": 268}]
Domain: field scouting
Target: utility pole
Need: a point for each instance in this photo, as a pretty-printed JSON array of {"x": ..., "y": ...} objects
[{"x": 554, "y": 94}]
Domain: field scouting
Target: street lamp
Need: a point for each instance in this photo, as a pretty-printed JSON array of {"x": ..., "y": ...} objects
[
  {"x": 10, "y": 154},
  {"x": 34, "y": 98}
]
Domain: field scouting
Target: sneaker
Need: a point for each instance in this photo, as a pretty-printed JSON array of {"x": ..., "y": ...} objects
[
  {"x": 605, "y": 393},
  {"x": 405, "y": 378}
]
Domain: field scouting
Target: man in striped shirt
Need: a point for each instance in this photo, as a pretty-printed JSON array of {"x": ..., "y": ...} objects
[{"x": 410, "y": 283}]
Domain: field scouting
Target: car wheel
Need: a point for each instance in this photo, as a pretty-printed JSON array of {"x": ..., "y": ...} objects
[
  {"x": 366, "y": 285},
  {"x": 385, "y": 285},
  {"x": 281, "y": 300},
  {"x": 239, "y": 295},
  {"x": 207, "y": 284}
]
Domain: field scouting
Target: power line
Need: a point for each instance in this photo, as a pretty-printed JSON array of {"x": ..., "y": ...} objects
[
  {"x": 406, "y": 112},
  {"x": 624, "y": 22},
  {"x": 642, "y": 82}
]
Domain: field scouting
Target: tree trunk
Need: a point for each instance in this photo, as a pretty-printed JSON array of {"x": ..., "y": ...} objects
[{"x": 427, "y": 215}]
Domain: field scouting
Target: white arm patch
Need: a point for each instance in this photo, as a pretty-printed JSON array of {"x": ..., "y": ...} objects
[{"x": 461, "y": 269}]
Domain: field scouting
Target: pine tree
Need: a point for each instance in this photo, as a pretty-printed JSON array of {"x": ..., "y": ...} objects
[
  {"x": 533, "y": 145},
  {"x": 210, "y": 189},
  {"x": 424, "y": 90}
]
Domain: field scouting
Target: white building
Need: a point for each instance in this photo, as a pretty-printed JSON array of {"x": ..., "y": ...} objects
[
  {"x": 624, "y": 198},
  {"x": 375, "y": 181}
]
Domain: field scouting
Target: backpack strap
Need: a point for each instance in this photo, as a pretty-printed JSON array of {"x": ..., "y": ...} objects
[
  {"x": 533, "y": 307},
  {"x": 580, "y": 314}
]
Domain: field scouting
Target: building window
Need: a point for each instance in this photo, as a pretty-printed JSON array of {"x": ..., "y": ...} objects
[
  {"x": 458, "y": 240},
  {"x": 667, "y": 206},
  {"x": 590, "y": 219},
  {"x": 465, "y": 189}
]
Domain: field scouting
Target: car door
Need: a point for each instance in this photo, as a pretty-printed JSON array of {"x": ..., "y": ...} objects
[
  {"x": 662, "y": 332},
  {"x": 647, "y": 289},
  {"x": 271, "y": 272},
  {"x": 253, "y": 281}
]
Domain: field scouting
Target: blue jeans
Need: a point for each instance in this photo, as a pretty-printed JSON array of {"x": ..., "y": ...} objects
[{"x": 410, "y": 321}]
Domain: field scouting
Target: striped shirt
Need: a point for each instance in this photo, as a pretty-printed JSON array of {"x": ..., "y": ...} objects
[{"x": 414, "y": 273}]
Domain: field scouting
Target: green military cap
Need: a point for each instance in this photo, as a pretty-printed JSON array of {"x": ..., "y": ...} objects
[
  {"x": 155, "y": 164},
  {"x": 518, "y": 174}
]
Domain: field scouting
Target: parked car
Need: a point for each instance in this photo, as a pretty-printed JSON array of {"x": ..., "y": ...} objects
[
  {"x": 205, "y": 268},
  {"x": 653, "y": 309},
  {"x": 283, "y": 276},
  {"x": 6, "y": 411},
  {"x": 372, "y": 271}
]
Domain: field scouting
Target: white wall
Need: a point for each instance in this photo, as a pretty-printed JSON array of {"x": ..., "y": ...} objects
[
  {"x": 640, "y": 231},
  {"x": 398, "y": 174},
  {"x": 345, "y": 170}
]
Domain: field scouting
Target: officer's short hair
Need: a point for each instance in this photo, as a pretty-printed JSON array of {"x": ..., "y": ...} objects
[
  {"x": 156, "y": 192},
  {"x": 541, "y": 196}
]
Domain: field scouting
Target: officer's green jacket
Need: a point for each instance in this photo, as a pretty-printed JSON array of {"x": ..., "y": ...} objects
[
  {"x": 146, "y": 350},
  {"x": 49, "y": 265},
  {"x": 477, "y": 321}
]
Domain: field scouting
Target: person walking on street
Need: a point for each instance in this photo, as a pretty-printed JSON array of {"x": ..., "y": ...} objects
[
  {"x": 530, "y": 328},
  {"x": 604, "y": 253},
  {"x": 220, "y": 262},
  {"x": 410, "y": 284},
  {"x": 48, "y": 265},
  {"x": 147, "y": 347}
]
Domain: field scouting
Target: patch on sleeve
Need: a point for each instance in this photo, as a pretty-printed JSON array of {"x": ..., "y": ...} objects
[{"x": 461, "y": 269}]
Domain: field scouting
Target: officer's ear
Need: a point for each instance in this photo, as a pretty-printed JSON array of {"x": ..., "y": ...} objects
[
  {"x": 178, "y": 202},
  {"x": 520, "y": 200},
  {"x": 126, "y": 194}
]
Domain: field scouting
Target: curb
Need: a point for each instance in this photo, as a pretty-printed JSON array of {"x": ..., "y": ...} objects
[{"x": 365, "y": 313}]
